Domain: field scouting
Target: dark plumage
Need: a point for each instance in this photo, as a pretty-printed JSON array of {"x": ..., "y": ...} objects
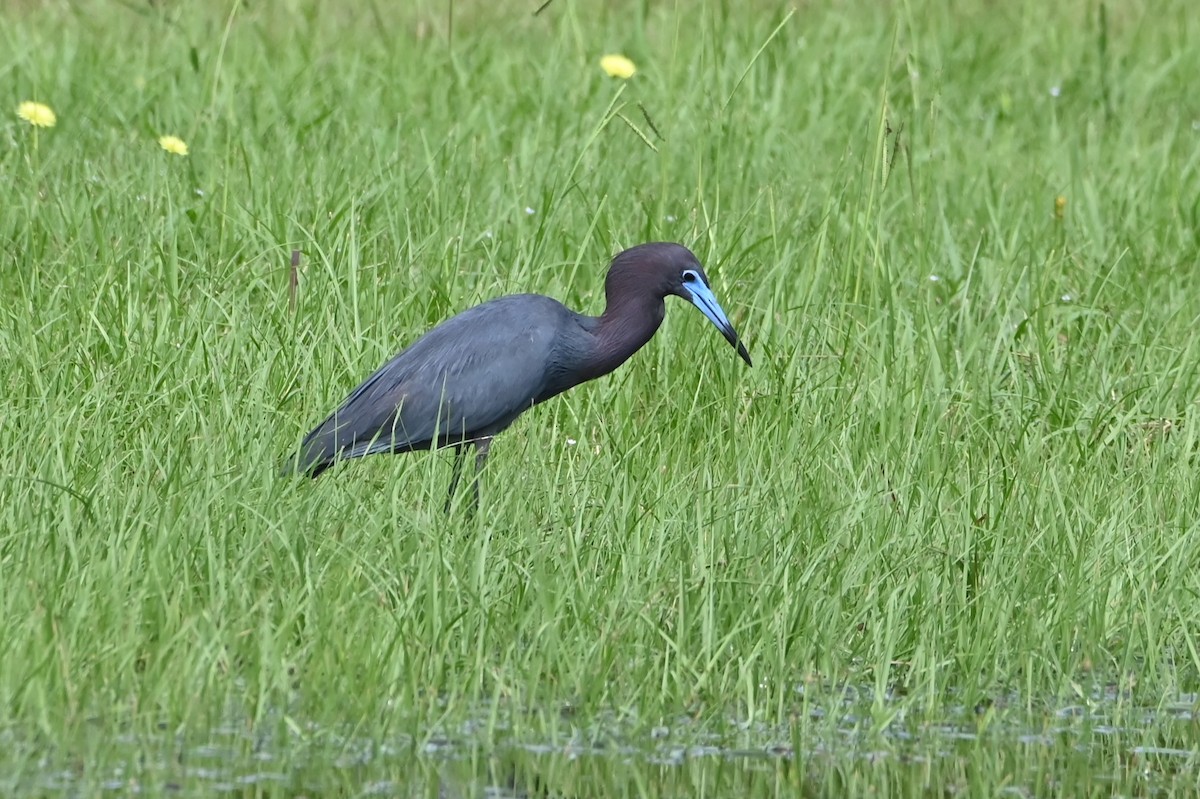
[{"x": 468, "y": 378}]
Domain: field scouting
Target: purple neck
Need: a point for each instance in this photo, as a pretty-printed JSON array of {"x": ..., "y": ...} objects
[{"x": 629, "y": 321}]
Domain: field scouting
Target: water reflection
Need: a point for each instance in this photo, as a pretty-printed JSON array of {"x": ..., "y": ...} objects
[{"x": 838, "y": 741}]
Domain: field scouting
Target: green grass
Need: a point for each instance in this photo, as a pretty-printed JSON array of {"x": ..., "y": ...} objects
[{"x": 961, "y": 475}]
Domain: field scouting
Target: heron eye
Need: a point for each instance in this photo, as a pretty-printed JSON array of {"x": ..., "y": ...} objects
[{"x": 689, "y": 276}]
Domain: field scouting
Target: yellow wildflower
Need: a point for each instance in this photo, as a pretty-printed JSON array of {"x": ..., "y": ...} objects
[
  {"x": 37, "y": 114},
  {"x": 173, "y": 144},
  {"x": 618, "y": 66},
  {"x": 1060, "y": 207}
]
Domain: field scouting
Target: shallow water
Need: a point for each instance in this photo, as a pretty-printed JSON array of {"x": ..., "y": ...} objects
[{"x": 845, "y": 741}]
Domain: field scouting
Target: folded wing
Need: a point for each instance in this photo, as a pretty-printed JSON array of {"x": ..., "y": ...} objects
[{"x": 467, "y": 378}]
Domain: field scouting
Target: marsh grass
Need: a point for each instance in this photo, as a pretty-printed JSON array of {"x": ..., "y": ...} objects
[{"x": 962, "y": 470}]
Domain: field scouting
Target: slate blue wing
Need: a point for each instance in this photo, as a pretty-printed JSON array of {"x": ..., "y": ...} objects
[{"x": 467, "y": 378}]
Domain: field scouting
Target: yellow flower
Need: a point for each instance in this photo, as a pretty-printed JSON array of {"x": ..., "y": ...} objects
[
  {"x": 618, "y": 66},
  {"x": 37, "y": 114},
  {"x": 1060, "y": 207},
  {"x": 173, "y": 144}
]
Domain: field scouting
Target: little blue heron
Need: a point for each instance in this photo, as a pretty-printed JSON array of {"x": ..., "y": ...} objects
[{"x": 471, "y": 376}]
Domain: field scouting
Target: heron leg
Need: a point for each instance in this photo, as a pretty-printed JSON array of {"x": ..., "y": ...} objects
[
  {"x": 481, "y": 452},
  {"x": 460, "y": 454}
]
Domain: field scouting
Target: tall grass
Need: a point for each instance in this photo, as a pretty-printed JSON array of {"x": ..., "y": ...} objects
[{"x": 960, "y": 241}]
